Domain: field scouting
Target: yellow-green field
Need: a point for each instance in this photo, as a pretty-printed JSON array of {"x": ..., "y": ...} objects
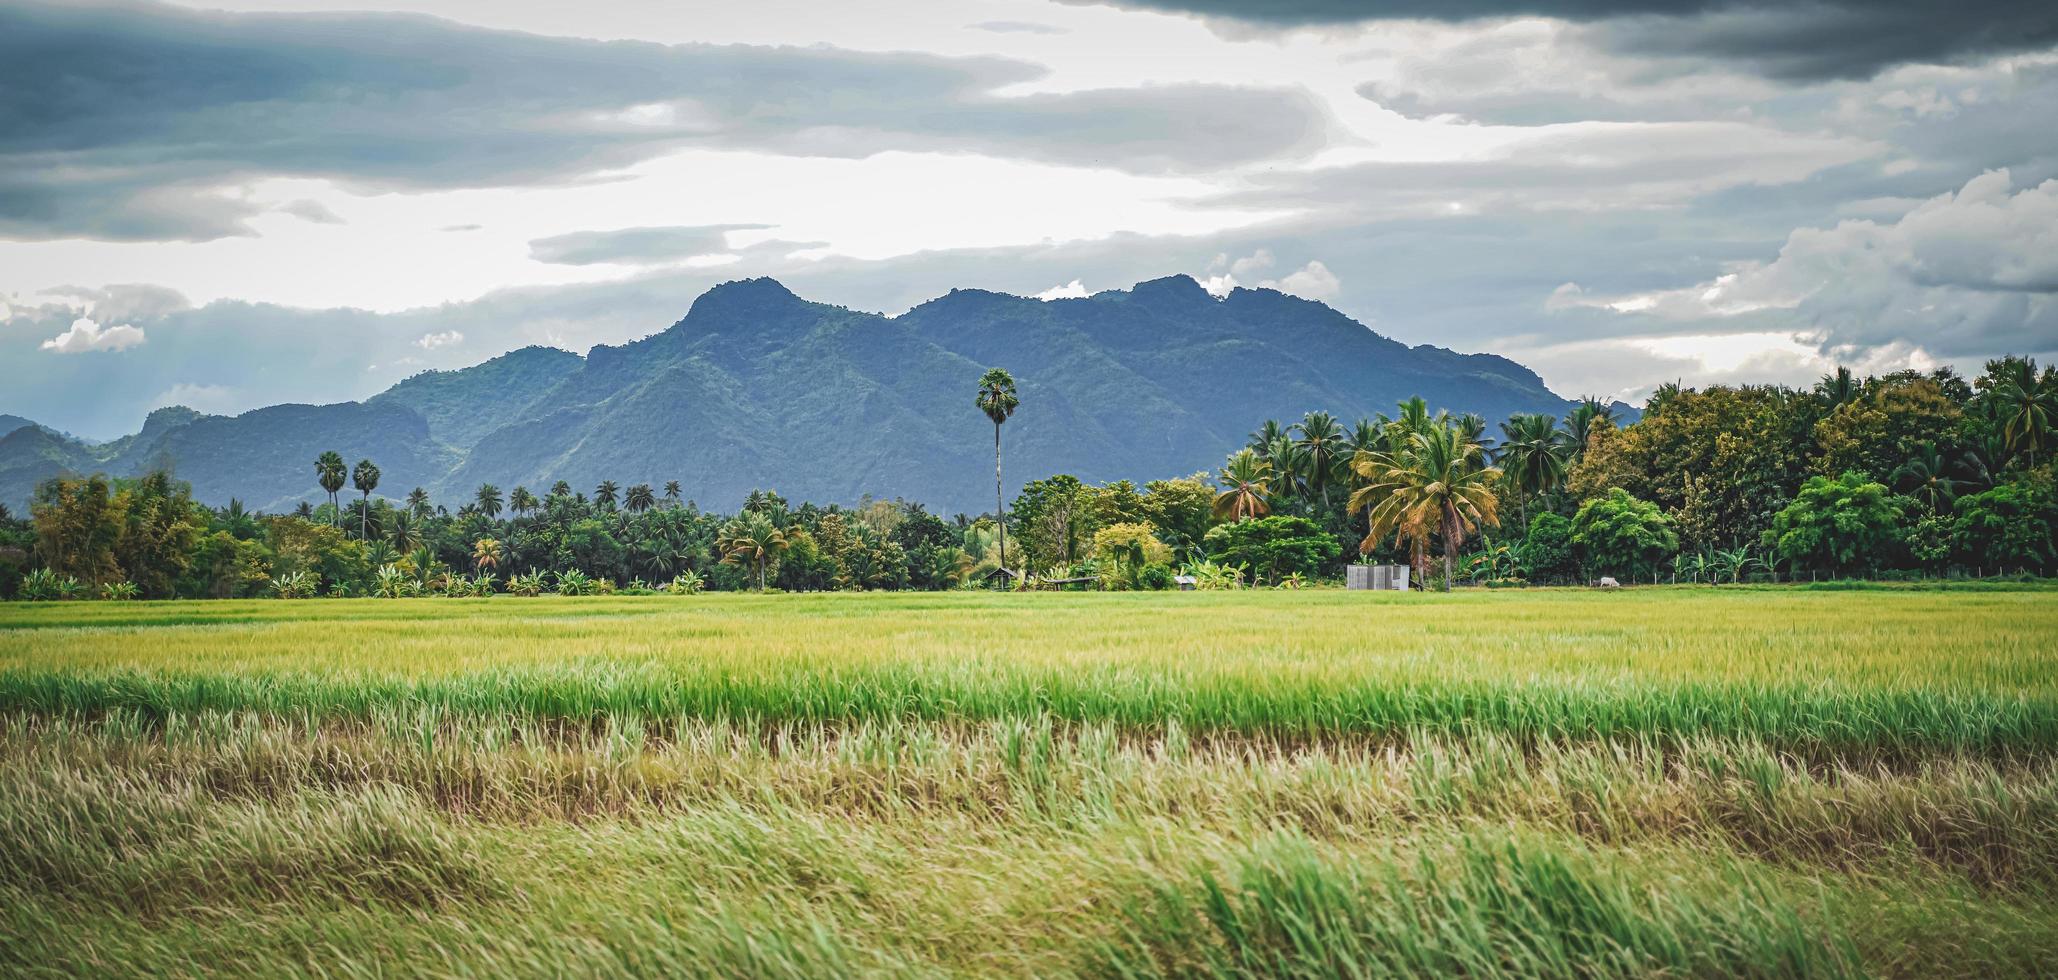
[{"x": 1709, "y": 782}]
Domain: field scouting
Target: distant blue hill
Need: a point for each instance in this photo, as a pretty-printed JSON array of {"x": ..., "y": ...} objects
[{"x": 757, "y": 387}]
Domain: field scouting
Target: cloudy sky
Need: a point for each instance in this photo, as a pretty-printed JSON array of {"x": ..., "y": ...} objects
[{"x": 234, "y": 203}]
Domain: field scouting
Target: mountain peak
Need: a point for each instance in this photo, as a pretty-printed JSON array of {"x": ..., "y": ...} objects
[
  {"x": 1179, "y": 290},
  {"x": 744, "y": 294}
]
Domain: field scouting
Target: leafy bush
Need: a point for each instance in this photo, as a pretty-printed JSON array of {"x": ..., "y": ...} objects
[
  {"x": 1621, "y": 535},
  {"x": 1842, "y": 526},
  {"x": 1271, "y": 547},
  {"x": 687, "y": 582},
  {"x": 573, "y": 582},
  {"x": 1547, "y": 553},
  {"x": 295, "y": 585},
  {"x": 119, "y": 591}
]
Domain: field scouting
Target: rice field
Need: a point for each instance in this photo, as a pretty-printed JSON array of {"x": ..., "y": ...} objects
[{"x": 1704, "y": 782}]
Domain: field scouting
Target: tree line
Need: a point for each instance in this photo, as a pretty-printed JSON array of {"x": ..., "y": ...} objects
[{"x": 1911, "y": 473}]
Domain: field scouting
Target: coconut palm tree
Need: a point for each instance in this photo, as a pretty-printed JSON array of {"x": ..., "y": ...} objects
[
  {"x": 2026, "y": 406},
  {"x": 1266, "y": 435},
  {"x": 486, "y": 553},
  {"x": 1927, "y": 478},
  {"x": 671, "y": 493},
  {"x": 1533, "y": 454},
  {"x": 997, "y": 399},
  {"x": 406, "y": 533},
  {"x": 1322, "y": 449},
  {"x": 329, "y": 471},
  {"x": 1246, "y": 488},
  {"x": 605, "y": 494},
  {"x": 521, "y": 501},
  {"x": 1438, "y": 484},
  {"x": 418, "y": 502},
  {"x": 366, "y": 478},
  {"x": 1584, "y": 418},
  {"x": 1289, "y": 467},
  {"x": 488, "y": 499},
  {"x": 1838, "y": 387},
  {"x": 640, "y": 498},
  {"x": 751, "y": 539}
]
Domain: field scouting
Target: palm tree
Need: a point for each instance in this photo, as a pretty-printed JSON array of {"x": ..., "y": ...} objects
[
  {"x": 640, "y": 498},
  {"x": 604, "y": 495},
  {"x": 560, "y": 489},
  {"x": 1533, "y": 455},
  {"x": 486, "y": 553},
  {"x": 406, "y": 534},
  {"x": 488, "y": 499},
  {"x": 1246, "y": 488},
  {"x": 521, "y": 501},
  {"x": 418, "y": 502},
  {"x": 1322, "y": 448},
  {"x": 1838, "y": 388},
  {"x": 671, "y": 493},
  {"x": 1439, "y": 483},
  {"x": 330, "y": 473},
  {"x": 751, "y": 539},
  {"x": 1926, "y": 478},
  {"x": 1583, "y": 419},
  {"x": 1266, "y": 435},
  {"x": 366, "y": 478},
  {"x": 2026, "y": 406},
  {"x": 1289, "y": 466},
  {"x": 997, "y": 399}
]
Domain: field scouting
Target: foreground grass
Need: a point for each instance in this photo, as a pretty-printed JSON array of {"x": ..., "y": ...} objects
[{"x": 1774, "y": 783}]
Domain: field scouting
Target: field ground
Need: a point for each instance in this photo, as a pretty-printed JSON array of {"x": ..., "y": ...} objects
[{"x": 1710, "y": 782}]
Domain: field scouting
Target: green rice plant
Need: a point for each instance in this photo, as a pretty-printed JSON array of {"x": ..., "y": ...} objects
[{"x": 1481, "y": 905}]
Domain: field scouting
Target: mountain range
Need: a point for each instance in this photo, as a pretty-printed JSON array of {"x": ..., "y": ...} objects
[{"x": 758, "y": 388}]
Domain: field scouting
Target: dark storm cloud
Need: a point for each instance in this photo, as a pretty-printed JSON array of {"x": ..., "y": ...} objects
[
  {"x": 1807, "y": 40},
  {"x": 120, "y": 121}
]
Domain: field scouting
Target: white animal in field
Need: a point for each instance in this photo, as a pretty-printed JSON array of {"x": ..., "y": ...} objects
[{"x": 1608, "y": 582}]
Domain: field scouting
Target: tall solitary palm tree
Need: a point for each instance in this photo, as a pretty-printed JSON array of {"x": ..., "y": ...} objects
[
  {"x": 997, "y": 399},
  {"x": 754, "y": 540},
  {"x": 1246, "y": 488},
  {"x": 488, "y": 499},
  {"x": 640, "y": 498},
  {"x": 366, "y": 478},
  {"x": 1439, "y": 484},
  {"x": 329, "y": 471}
]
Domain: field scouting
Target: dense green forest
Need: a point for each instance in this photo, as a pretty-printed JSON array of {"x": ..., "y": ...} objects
[{"x": 1905, "y": 475}]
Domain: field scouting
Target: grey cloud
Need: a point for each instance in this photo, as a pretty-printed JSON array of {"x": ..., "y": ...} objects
[
  {"x": 1807, "y": 40},
  {"x": 1017, "y": 27},
  {"x": 1586, "y": 169},
  {"x": 635, "y": 246},
  {"x": 119, "y": 121},
  {"x": 312, "y": 211}
]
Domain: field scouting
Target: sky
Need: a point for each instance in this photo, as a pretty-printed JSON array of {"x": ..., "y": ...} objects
[{"x": 235, "y": 203}]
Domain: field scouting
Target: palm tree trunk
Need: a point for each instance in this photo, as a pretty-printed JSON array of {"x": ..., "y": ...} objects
[
  {"x": 364, "y": 517},
  {"x": 1000, "y": 516}
]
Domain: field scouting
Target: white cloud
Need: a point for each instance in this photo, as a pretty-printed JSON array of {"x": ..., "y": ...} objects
[
  {"x": 1312, "y": 281},
  {"x": 85, "y": 335},
  {"x": 447, "y": 338},
  {"x": 212, "y": 399},
  {"x": 1071, "y": 290},
  {"x": 1963, "y": 274}
]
